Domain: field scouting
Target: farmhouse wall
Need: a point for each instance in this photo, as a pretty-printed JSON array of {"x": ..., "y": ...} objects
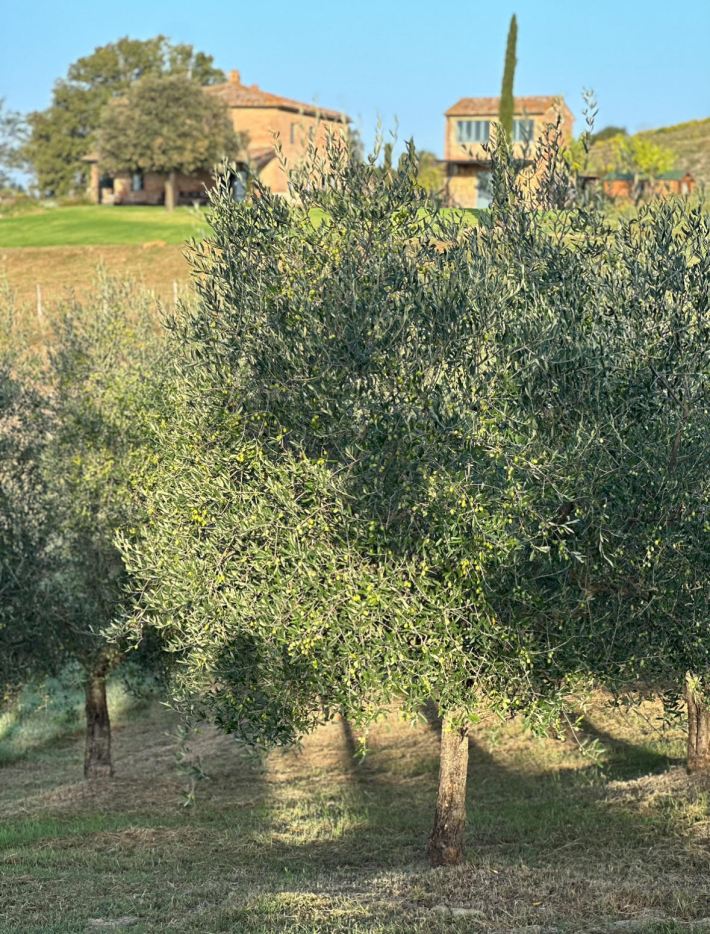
[{"x": 188, "y": 188}]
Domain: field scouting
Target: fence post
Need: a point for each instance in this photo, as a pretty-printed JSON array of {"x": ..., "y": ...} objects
[{"x": 40, "y": 310}]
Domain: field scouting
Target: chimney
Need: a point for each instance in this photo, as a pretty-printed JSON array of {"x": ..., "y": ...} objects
[{"x": 234, "y": 77}]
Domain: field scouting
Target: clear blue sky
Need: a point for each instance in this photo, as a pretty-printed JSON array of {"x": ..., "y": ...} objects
[{"x": 648, "y": 62}]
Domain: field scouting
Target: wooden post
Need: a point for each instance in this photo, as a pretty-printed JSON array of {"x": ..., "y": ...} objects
[{"x": 40, "y": 309}]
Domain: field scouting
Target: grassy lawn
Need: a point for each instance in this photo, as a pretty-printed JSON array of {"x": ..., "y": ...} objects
[
  {"x": 85, "y": 225},
  {"x": 91, "y": 225},
  {"x": 59, "y": 249},
  {"x": 318, "y": 840}
]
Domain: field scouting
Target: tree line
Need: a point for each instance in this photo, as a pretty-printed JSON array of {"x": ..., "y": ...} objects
[{"x": 382, "y": 457}]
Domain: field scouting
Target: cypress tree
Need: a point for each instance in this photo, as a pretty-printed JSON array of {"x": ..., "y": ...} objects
[{"x": 505, "y": 114}]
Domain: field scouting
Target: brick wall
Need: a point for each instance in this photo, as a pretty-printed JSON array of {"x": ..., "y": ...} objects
[{"x": 462, "y": 187}]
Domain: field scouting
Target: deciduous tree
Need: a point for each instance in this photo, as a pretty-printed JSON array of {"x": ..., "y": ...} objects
[
  {"x": 166, "y": 125},
  {"x": 12, "y": 134},
  {"x": 637, "y": 156},
  {"x": 430, "y": 172},
  {"x": 63, "y": 134},
  {"x": 607, "y": 132}
]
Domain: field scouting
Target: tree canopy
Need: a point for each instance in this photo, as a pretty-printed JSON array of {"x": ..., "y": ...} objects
[
  {"x": 26, "y": 644},
  {"x": 63, "y": 134},
  {"x": 631, "y": 155},
  {"x": 410, "y": 458},
  {"x": 12, "y": 134},
  {"x": 430, "y": 172},
  {"x": 640, "y": 156},
  {"x": 165, "y": 124},
  {"x": 607, "y": 132}
]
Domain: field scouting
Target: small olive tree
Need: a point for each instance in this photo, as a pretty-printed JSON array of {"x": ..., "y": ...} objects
[
  {"x": 27, "y": 647},
  {"x": 104, "y": 368},
  {"x": 397, "y": 460},
  {"x": 72, "y": 447},
  {"x": 166, "y": 124},
  {"x": 651, "y": 580}
]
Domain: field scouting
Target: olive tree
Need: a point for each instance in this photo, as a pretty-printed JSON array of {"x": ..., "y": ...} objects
[
  {"x": 652, "y": 580},
  {"x": 104, "y": 369},
  {"x": 396, "y": 455},
  {"x": 73, "y": 447},
  {"x": 26, "y": 645}
]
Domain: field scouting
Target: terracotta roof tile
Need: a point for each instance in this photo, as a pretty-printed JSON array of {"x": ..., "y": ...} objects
[
  {"x": 489, "y": 106},
  {"x": 236, "y": 94}
]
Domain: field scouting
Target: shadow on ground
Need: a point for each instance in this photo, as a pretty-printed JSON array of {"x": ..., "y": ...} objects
[{"x": 322, "y": 839}]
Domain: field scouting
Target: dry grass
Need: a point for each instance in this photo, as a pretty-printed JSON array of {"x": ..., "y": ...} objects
[
  {"x": 61, "y": 271},
  {"x": 319, "y": 840}
]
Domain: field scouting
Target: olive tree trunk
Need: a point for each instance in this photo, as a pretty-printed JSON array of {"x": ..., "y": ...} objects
[
  {"x": 446, "y": 841},
  {"x": 698, "y": 728},
  {"x": 170, "y": 193},
  {"x": 97, "y": 754}
]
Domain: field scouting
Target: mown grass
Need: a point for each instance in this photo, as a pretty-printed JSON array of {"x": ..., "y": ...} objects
[
  {"x": 47, "y": 712},
  {"x": 86, "y": 225},
  {"x": 101, "y": 225},
  {"x": 318, "y": 840}
]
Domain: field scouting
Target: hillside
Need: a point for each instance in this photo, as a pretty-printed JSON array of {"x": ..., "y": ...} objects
[{"x": 690, "y": 141}]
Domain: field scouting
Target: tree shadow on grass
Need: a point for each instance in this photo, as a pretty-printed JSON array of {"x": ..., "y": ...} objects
[
  {"x": 624, "y": 760},
  {"x": 334, "y": 827},
  {"x": 531, "y": 813},
  {"x": 380, "y": 808}
]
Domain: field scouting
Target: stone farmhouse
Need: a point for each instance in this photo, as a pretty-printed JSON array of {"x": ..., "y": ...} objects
[
  {"x": 257, "y": 114},
  {"x": 470, "y": 124}
]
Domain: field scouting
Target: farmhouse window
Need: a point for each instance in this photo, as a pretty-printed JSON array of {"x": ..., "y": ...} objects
[
  {"x": 473, "y": 131},
  {"x": 522, "y": 131},
  {"x": 137, "y": 181}
]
